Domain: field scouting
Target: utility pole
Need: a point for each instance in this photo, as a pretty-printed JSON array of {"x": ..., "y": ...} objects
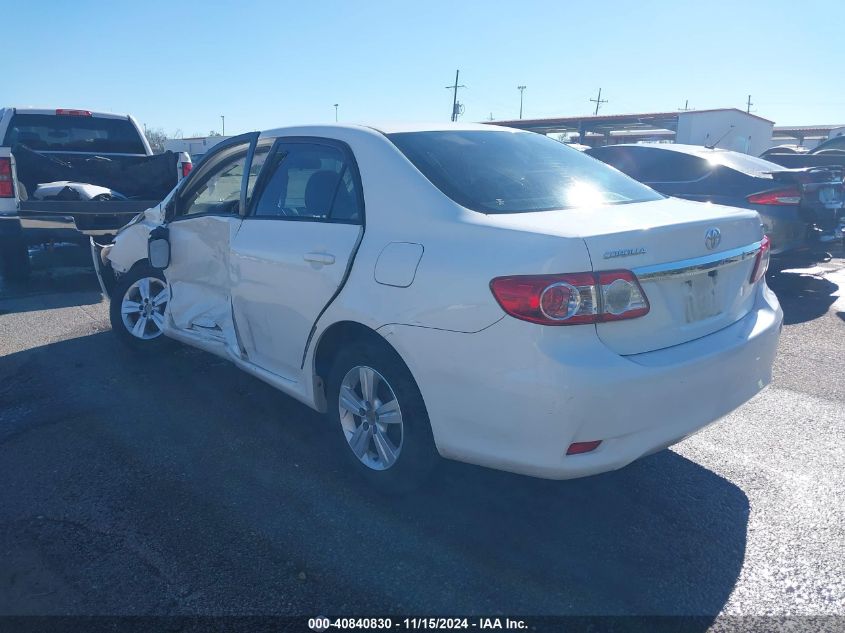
[
  {"x": 335, "y": 112},
  {"x": 223, "y": 119},
  {"x": 521, "y": 90},
  {"x": 455, "y": 87},
  {"x": 491, "y": 117},
  {"x": 598, "y": 101},
  {"x": 748, "y": 105}
]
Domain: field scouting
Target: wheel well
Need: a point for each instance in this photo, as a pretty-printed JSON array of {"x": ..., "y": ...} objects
[{"x": 336, "y": 336}]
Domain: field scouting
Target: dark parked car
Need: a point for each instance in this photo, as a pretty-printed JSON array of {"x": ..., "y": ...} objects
[
  {"x": 800, "y": 208},
  {"x": 828, "y": 153}
]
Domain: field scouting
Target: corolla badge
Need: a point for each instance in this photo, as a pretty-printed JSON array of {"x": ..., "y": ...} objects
[
  {"x": 624, "y": 252},
  {"x": 712, "y": 238}
]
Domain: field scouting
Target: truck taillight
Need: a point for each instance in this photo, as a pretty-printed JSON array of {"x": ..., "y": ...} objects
[
  {"x": 7, "y": 189},
  {"x": 761, "y": 262},
  {"x": 186, "y": 169},
  {"x": 571, "y": 299},
  {"x": 780, "y": 197},
  {"x": 66, "y": 112}
]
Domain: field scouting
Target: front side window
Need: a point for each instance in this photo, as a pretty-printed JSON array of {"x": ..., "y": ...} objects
[
  {"x": 218, "y": 191},
  {"x": 312, "y": 182},
  {"x": 515, "y": 172}
]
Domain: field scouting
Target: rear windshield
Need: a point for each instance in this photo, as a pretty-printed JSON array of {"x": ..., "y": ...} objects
[
  {"x": 63, "y": 133},
  {"x": 749, "y": 165},
  {"x": 515, "y": 172}
]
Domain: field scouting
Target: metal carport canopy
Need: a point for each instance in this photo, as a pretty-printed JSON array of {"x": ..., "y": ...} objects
[{"x": 600, "y": 124}]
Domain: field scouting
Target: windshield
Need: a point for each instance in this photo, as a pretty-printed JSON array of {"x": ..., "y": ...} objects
[
  {"x": 66, "y": 133},
  {"x": 515, "y": 172}
]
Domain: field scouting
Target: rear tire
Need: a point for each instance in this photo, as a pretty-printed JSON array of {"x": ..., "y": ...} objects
[
  {"x": 14, "y": 259},
  {"x": 388, "y": 440},
  {"x": 137, "y": 309}
]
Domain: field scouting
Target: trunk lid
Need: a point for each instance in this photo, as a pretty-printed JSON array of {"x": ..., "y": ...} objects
[
  {"x": 693, "y": 290},
  {"x": 693, "y": 261}
]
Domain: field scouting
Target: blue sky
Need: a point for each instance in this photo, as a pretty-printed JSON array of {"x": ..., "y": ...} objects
[{"x": 180, "y": 64}]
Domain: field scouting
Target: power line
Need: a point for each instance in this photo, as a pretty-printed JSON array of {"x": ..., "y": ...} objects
[
  {"x": 521, "y": 90},
  {"x": 456, "y": 107},
  {"x": 598, "y": 101}
]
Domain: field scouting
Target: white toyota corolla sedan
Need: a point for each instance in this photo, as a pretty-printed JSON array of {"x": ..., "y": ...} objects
[{"x": 482, "y": 293}]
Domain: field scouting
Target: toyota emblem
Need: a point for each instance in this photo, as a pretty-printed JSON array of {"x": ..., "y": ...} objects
[{"x": 712, "y": 238}]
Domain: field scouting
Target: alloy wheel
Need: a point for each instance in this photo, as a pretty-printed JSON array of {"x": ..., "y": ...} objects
[
  {"x": 142, "y": 308},
  {"x": 371, "y": 417}
]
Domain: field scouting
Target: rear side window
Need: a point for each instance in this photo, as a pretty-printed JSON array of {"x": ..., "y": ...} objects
[
  {"x": 515, "y": 172},
  {"x": 63, "y": 133},
  {"x": 309, "y": 182}
]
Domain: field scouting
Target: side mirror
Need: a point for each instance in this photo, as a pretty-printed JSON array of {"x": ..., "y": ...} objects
[{"x": 158, "y": 248}]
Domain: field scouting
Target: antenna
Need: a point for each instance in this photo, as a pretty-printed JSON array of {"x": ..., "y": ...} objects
[{"x": 713, "y": 145}]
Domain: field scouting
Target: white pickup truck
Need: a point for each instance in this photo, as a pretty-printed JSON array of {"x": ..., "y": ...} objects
[{"x": 67, "y": 175}]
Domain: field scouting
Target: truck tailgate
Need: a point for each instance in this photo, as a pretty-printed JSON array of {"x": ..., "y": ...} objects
[{"x": 91, "y": 217}]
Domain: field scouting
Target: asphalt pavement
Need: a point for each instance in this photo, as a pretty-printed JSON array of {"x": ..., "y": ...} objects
[{"x": 180, "y": 485}]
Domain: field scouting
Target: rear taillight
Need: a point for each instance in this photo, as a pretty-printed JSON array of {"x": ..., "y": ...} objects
[
  {"x": 576, "y": 448},
  {"x": 7, "y": 190},
  {"x": 186, "y": 169},
  {"x": 571, "y": 299},
  {"x": 66, "y": 112},
  {"x": 780, "y": 197},
  {"x": 761, "y": 262}
]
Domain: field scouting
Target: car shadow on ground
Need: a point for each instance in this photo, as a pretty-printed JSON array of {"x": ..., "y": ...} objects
[
  {"x": 803, "y": 296},
  {"x": 186, "y": 486}
]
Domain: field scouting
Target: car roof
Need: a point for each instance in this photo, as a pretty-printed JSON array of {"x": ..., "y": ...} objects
[
  {"x": 695, "y": 150},
  {"x": 385, "y": 128}
]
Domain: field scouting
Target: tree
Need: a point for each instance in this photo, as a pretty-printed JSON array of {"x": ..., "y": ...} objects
[{"x": 156, "y": 137}]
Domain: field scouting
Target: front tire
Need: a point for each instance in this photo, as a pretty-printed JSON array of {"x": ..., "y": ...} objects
[
  {"x": 381, "y": 420},
  {"x": 137, "y": 309}
]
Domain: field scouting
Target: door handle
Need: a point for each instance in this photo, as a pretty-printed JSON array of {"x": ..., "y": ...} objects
[{"x": 319, "y": 258}]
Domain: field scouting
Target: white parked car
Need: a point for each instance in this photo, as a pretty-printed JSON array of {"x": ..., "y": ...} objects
[{"x": 481, "y": 293}]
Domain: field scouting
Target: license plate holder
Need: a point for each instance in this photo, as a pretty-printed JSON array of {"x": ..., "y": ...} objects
[{"x": 701, "y": 297}]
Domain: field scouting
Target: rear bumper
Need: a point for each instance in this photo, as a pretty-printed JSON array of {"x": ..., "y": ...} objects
[
  {"x": 515, "y": 396},
  {"x": 790, "y": 233}
]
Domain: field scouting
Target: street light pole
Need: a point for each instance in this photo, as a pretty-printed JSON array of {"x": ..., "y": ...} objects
[
  {"x": 521, "y": 90},
  {"x": 223, "y": 119},
  {"x": 335, "y": 112}
]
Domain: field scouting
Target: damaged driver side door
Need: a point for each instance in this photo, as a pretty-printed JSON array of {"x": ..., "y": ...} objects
[{"x": 202, "y": 222}]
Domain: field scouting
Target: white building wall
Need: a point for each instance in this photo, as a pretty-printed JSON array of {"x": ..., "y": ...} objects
[
  {"x": 749, "y": 134},
  {"x": 193, "y": 146}
]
